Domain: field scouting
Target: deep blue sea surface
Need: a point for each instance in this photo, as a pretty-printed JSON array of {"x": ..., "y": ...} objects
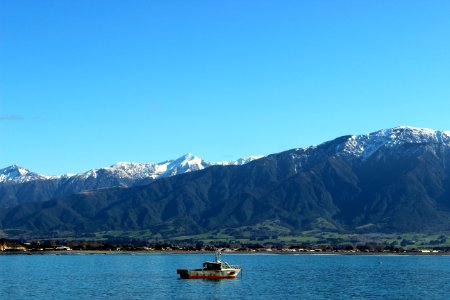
[{"x": 153, "y": 276}]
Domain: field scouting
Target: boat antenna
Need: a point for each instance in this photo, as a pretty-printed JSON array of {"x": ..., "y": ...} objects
[{"x": 218, "y": 254}]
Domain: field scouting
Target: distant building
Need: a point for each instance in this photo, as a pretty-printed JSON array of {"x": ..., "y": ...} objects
[
  {"x": 63, "y": 248},
  {"x": 12, "y": 249}
]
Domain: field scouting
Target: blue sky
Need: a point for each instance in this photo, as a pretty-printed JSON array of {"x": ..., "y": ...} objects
[{"x": 84, "y": 84}]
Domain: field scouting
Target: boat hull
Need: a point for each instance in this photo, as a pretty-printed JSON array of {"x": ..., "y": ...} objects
[{"x": 208, "y": 274}]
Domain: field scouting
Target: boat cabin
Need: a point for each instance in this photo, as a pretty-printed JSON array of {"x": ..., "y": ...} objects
[{"x": 219, "y": 265}]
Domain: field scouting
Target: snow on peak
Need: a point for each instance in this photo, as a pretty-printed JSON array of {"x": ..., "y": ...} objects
[
  {"x": 14, "y": 171},
  {"x": 366, "y": 144},
  {"x": 17, "y": 174},
  {"x": 188, "y": 160},
  {"x": 238, "y": 162},
  {"x": 124, "y": 171},
  {"x": 130, "y": 171}
]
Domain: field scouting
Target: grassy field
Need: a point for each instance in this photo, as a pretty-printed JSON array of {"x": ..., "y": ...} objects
[
  {"x": 265, "y": 233},
  {"x": 312, "y": 237}
]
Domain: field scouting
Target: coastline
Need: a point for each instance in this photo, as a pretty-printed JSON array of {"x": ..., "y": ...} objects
[{"x": 185, "y": 252}]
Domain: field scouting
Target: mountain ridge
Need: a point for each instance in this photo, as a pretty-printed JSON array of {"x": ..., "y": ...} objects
[
  {"x": 391, "y": 181},
  {"x": 356, "y": 145},
  {"x": 18, "y": 174},
  {"x": 19, "y": 185}
]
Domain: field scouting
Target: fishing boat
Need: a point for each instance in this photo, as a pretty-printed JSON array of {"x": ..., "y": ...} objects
[{"x": 216, "y": 269}]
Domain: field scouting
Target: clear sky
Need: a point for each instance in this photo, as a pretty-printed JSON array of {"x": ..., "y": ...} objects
[{"x": 84, "y": 84}]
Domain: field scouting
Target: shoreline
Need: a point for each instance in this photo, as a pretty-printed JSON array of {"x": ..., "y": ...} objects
[{"x": 183, "y": 252}]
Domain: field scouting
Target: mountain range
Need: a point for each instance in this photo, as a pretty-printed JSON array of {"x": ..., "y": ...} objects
[
  {"x": 391, "y": 181},
  {"x": 19, "y": 185}
]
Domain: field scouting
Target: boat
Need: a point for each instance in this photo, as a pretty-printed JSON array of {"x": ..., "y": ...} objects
[{"x": 216, "y": 269}]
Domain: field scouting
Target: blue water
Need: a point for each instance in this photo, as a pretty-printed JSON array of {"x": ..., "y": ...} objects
[{"x": 153, "y": 276}]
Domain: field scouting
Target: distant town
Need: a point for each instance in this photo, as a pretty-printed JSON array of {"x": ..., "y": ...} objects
[{"x": 52, "y": 246}]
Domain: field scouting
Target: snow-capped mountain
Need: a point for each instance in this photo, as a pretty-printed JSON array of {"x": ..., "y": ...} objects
[
  {"x": 362, "y": 147},
  {"x": 17, "y": 174},
  {"x": 19, "y": 185},
  {"x": 365, "y": 145},
  {"x": 126, "y": 172},
  {"x": 140, "y": 171},
  {"x": 391, "y": 181}
]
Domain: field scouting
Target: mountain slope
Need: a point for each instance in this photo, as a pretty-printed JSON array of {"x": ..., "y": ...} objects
[
  {"x": 394, "y": 180},
  {"x": 19, "y": 185}
]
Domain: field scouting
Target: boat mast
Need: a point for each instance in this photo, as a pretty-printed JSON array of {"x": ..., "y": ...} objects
[{"x": 218, "y": 254}]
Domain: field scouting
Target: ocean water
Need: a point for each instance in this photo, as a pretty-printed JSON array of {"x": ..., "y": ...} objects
[{"x": 285, "y": 276}]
